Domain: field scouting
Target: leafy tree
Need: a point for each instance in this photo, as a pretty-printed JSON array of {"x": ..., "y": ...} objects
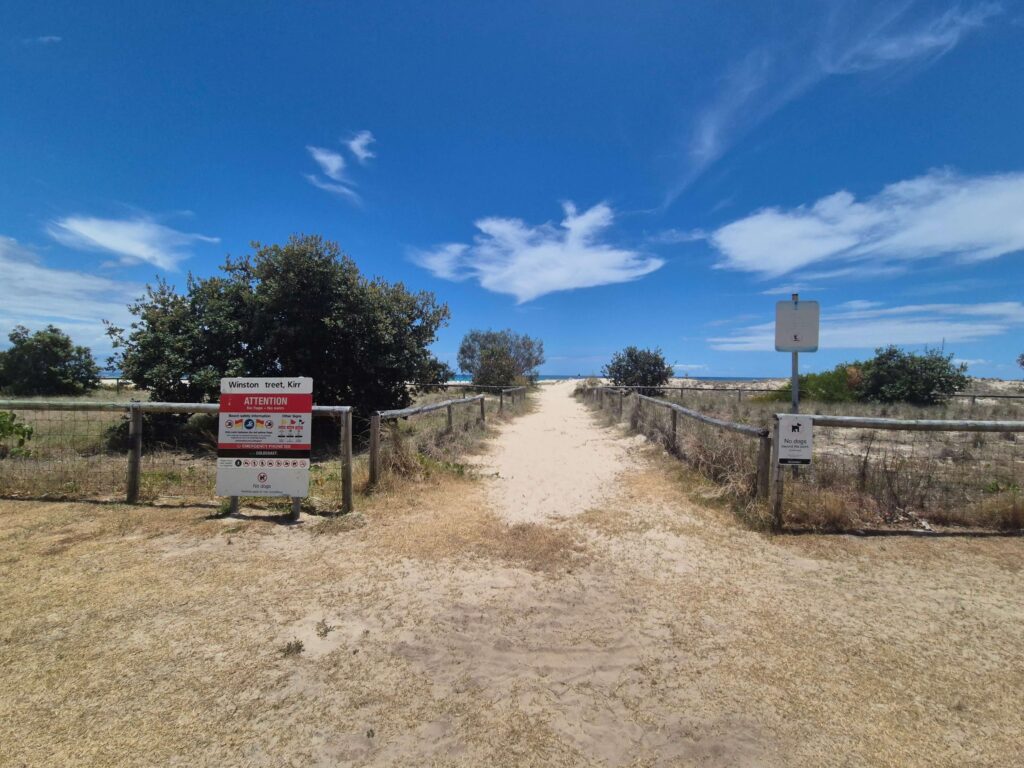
[
  {"x": 46, "y": 362},
  {"x": 634, "y": 367},
  {"x": 298, "y": 309},
  {"x": 897, "y": 376},
  {"x": 500, "y": 358}
]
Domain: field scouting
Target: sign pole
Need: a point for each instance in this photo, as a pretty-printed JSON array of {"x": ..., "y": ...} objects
[{"x": 795, "y": 385}]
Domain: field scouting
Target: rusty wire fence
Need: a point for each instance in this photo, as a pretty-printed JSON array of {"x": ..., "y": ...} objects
[
  {"x": 91, "y": 451},
  {"x": 868, "y": 471}
]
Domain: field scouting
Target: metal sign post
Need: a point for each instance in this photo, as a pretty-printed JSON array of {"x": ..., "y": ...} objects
[{"x": 796, "y": 331}]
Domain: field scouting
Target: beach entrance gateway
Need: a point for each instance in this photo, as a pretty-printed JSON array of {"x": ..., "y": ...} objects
[{"x": 264, "y": 436}]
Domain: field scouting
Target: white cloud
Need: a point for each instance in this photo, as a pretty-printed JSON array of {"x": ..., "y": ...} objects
[
  {"x": 359, "y": 145},
  {"x": 133, "y": 241},
  {"x": 675, "y": 236},
  {"x": 337, "y": 189},
  {"x": 331, "y": 163},
  {"x": 970, "y": 362},
  {"x": 689, "y": 366},
  {"x": 867, "y": 325},
  {"x": 934, "y": 38},
  {"x": 939, "y": 214},
  {"x": 854, "y": 39},
  {"x": 36, "y": 295},
  {"x": 43, "y": 40},
  {"x": 512, "y": 257}
]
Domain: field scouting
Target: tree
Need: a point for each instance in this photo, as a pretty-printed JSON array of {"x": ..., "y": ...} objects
[
  {"x": 46, "y": 362},
  {"x": 298, "y": 309},
  {"x": 500, "y": 358},
  {"x": 897, "y": 376},
  {"x": 634, "y": 367}
]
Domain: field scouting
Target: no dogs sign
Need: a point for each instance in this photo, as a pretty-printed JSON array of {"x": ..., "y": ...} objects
[
  {"x": 264, "y": 437},
  {"x": 796, "y": 439}
]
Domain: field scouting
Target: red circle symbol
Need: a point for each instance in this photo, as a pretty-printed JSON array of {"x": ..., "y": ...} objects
[{"x": 262, "y": 477}]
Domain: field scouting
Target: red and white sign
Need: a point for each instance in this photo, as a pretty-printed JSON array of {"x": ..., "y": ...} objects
[{"x": 264, "y": 437}]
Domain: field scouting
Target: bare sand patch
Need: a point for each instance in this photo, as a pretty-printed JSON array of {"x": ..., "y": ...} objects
[{"x": 554, "y": 462}]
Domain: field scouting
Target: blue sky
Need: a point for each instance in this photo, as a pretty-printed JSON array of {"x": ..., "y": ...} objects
[{"x": 595, "y": 174}]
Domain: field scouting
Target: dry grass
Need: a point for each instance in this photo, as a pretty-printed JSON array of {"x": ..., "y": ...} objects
[
  {"x": 654, "y": 630},
  {"x": 860, "y": 478}
]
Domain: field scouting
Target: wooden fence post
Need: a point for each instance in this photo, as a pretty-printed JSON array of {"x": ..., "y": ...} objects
[
  {"x": 346, "y": 462},
  {"x": 775, "y": 472},
  {"x": 134, "y": 454},
  {"x": 622, "y": 397},
  {"x": 374, "y": 447},
  {"x": 764, "y": 463},
  {"x": 675, "y": 428},
  {"x": 296, "y": 507},
  {"x": 451, "y": 420},
  {"x": 483, "y": 410}
]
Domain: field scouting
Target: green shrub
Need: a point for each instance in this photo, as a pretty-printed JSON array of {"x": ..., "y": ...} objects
[
  {"x": 897, "y": 376},
  {"x": 13, "y": 435},
  {"x": 835, "y": 386},
  {"x": 891, "y": 376},
  {"x": 46, "y": 362},
  {"x": 634, "y": 367},
  {"x": 298, "y": 309},
  {"x": 500, "y": 358}
]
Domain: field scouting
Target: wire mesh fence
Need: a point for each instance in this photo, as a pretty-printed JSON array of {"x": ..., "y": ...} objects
[
  {"x": 80, "y": 450},
  {"x": 868, "y": 471},
  {"x": 60, "y": 453},
  {"x": 964, "y": 474}
]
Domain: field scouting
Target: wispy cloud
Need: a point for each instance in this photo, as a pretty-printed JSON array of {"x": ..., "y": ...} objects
[
  {"x": 332, "y": 166},
  {"x": 867, "y": 325},
  {"x": 337, "y": 189},
  {"x": 939, "y": 214},
  {"x": 43, "y": 40},
  {"x": 526, "y": 261},
  {"x": 922, "y": 42},
  {"x": 676, "y": 236},
  {"x": 331, "y": 163},
  {"x": 134, "y": 241},
  {"x": 35, "y": 295},
  {"x": 359, "y": 145},
  {"x": 852, "y": 39}
]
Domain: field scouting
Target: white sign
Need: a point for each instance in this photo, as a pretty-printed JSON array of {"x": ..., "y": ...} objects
[
  {"x": 796, "y": 326},
  {"x": 796, "y": 439},
  {"x": 264, "y": 437}
]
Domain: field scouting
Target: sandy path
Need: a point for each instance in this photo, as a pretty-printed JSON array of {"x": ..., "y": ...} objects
[{"x": 555, "y": 462}]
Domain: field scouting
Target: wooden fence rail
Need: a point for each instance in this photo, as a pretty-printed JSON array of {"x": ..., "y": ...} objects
[
  {"x": 761, "y": 434},
  {"x": 135, "y": 411},
  {"x": 378, "y": 417}
]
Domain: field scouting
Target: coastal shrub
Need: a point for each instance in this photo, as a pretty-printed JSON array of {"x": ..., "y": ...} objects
[
  {"x": 46, "y": 362},
  {"x": 635, "y": 367},
  {"x": 298, "y": 309},
  {"x": 500, "y": 358},
  {"x": 893, "y": 375}
]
